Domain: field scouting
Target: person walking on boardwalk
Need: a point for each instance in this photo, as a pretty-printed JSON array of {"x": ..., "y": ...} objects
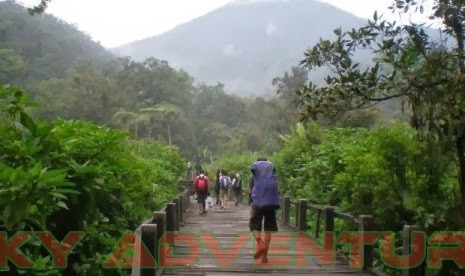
[
  {"x": 250, "y": 189},
  {"x": 265, "y": 202},
  {"x": 230, "y": 188},
  {"x": 237, "y": 188},
  {"x": 217, "y": 186},
  {"x": 201, "y": 188},
  {"x": 225, "y": 184}
]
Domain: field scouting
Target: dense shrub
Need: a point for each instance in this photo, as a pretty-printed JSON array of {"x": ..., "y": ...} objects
[
  {"x": 76, "y": 176},
  {"x": 386, "y": 172}
]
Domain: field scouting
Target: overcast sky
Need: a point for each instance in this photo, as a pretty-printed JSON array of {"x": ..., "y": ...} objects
[{"x": 117, "y": 22}]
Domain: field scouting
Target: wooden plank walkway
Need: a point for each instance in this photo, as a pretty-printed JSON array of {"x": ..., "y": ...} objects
[{"x": 226, "y": 225}]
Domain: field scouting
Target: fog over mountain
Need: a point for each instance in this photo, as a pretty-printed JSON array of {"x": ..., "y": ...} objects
[{"x": 246, "y": 43}]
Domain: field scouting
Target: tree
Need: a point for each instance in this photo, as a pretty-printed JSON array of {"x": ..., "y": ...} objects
[
  {"x": 289, "y": 83},
  {"x": 215, "y": 136},
  {"x": 11, "y": 65},
  {"x": 124, "y": 118},
  {"x": 169, "y": 114},
  {"x": 39, "y": 9},
  {"x": 151, "y": 115},
  {"x": 450, "y": 81},
  {"x": 85, "y": 94},
  {"x": 427, "y": 76}
]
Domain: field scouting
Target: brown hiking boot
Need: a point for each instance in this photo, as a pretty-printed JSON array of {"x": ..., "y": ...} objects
[
  {"x": 261, "y": 249},
  {"x": 265, "y": 256},
  {"x": 264, "y": 259}
]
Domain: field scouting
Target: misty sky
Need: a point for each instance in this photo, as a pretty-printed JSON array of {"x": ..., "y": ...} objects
[{"x": 117, "y": 22}]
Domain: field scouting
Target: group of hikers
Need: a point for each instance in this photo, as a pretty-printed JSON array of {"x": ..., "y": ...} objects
[
  {"x": 227, "y": 188},
  {"x": 263, "y": 198}
]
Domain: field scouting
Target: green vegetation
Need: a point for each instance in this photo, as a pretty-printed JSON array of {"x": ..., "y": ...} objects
[
  {"x": 401, "y": 173},
  {"x": 106, "y": 146},
  {"x": 67, "y": 175},
  {"x": 108, "y": 140},
  {"x": 37, "y": 48}
]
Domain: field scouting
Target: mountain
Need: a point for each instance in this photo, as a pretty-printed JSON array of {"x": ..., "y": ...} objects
[
  {"x": 244, "y": 44},
  {"x": 40, "y": 47}
]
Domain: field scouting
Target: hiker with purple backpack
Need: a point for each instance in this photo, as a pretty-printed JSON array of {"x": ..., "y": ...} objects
[{"x": 265, "y": 201}]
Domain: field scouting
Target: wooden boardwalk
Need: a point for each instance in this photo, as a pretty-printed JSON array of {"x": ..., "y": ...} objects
[{"x": 226, "y": 225}]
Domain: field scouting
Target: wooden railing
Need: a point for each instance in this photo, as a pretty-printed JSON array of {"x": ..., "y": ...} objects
[
  {"x": 173, "y": 215},
  {"x": 328, "y": 214},
  {"x": 169, "y": 219}
]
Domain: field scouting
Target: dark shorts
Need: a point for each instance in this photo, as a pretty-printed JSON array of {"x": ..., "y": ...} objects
[
  {"x": 269, "y": 214},
  {"x": 201, "y": 196}
]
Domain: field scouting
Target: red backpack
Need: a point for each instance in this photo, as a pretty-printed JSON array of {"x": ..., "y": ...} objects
[{"x": 201, "y": 184}]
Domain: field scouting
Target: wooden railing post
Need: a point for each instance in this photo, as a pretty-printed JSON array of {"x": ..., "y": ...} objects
[
  {"x": 183, "y": 197},
  {"x": 286, "y": 210},
  {"x": 151, "y": 234},
  {"x": 159, "y": 218},
  {"x": 406, "y": 244},
  {"x": 181, "y": 210},
  {"x": 171, "y": 219},
  {"x": 302, "y": 215},
  {"x": 186, "y": 201},
  {"x": 297, "y": 207},
  {"x": 317, "y": 224},
  {"x": 365, "y": 225},
  {"x": 149, "y": 239},
  {"x": 329, "y": 226},
  {"x": 176, "y": 214}
]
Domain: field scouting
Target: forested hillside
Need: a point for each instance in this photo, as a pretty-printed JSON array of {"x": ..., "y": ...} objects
[
  {"x": 33, "y": 49},
  {"x": 72, "y": 77}
]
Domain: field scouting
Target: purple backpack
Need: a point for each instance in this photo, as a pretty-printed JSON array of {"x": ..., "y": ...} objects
[{"x": 265, "y": 185}]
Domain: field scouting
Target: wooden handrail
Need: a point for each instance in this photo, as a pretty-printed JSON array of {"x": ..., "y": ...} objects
[
  {"x": 172, "y": 216},
  {"x": 346, "y": 217},
  {"x": 365, "y": 224},
  {"x": 168, "y": 219},
  {"x": 327, "y": 214},
  {"x": 315, "y": 208}
]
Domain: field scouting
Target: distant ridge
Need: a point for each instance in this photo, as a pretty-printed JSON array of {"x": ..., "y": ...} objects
[{"x": 246, "y": 43}]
